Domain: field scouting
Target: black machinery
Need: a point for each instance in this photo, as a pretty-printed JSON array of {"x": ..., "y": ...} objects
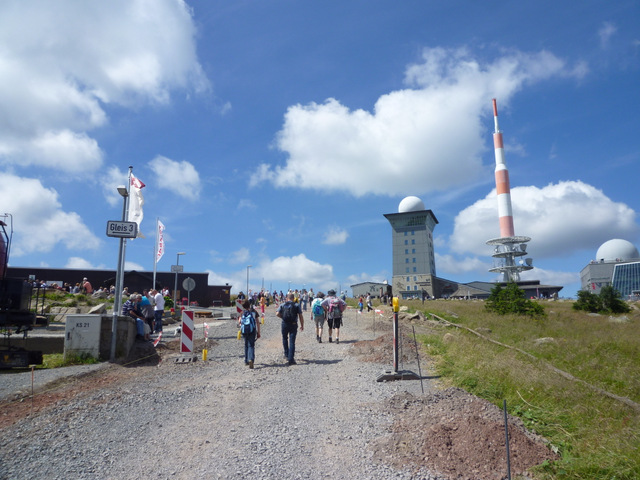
[{"x": 16, "y": 316}]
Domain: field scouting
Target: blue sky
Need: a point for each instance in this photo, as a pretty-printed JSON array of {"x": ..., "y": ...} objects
[{"x": 276, "y": 134}]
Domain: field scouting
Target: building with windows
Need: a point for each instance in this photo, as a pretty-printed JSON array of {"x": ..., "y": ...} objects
[
  {"x": 414, "y": 265},
  {"x": 617, "y": 263}
]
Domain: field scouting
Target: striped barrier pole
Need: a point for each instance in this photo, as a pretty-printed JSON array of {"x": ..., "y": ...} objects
[{"x": 186, "y": 343}]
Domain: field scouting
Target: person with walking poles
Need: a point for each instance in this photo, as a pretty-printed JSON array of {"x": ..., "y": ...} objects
[
  {"x": 250, "y": 329},
  {"x": 318, "y": 315},
  {"x": 290, "y": 312},
  {"x": 334, "y": 306}
]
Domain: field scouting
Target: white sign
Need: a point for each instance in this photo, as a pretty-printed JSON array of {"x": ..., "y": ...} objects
[
  {"x": 189, "y": 284},
  {"x": 122, "y": 229},
  {"x": 177, "y": 268}
]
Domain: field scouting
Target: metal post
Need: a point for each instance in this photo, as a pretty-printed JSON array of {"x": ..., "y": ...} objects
[
  {"x": 117, "y": 301},
  {"x": 248, "y": 267},
  {"x": 395, "y": 342},
  {"x": 175, "y": 288}
]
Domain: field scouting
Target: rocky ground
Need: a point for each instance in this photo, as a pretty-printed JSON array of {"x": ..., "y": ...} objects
[{"x": 326, "y": 417}]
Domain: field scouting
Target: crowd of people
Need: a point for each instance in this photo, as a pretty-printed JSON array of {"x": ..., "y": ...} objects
[
  {"x": 147, "y": 309},
  {"x": 290, "y": 310}
]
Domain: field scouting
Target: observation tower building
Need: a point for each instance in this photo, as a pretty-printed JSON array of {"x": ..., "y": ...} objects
[{"x": 414, "y": 266}]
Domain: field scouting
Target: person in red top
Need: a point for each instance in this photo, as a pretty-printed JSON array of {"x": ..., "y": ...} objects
[{"x": 86, "y": 286}]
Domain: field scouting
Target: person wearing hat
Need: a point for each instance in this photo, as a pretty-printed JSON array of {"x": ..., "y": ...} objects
[{"x": 334, "y": 306}]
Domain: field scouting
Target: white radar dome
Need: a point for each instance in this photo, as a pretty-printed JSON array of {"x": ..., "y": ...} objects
[
  {"x": 410, "y": 204},
  {"x": 617, "y": 249}
]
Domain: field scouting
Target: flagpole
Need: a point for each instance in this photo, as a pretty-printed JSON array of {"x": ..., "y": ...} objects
[{"x": 155, "y": 255}]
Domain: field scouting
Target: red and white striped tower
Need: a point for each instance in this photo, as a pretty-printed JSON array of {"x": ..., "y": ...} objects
[
  {"x": 502, "y": 181},
  {"x": 508, "y": 246}
]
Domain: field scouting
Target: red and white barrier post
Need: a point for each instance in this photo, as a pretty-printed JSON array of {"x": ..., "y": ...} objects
[{"x": 186, "y": 341}]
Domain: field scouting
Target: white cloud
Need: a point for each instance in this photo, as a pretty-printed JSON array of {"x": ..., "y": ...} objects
[
  {"x": 246, "y": 203},
  {"x": 110, "y": 181},
  {"x": 133, "y": 266},
  {"x": 39, "y": 222},
  {"x": 179, "y": 177},
  {"x": 219, "y": 279},
  {"x": 450, "y": 265},
  {"x": 550, "y": 277},
  {"x": 366, "y": 277},
  {"x": 335, "y": 236},
  {"x": 56, "y": 81},
  {"x": 605, "y": 32},
  {"x": 423, "y": 129},
  {"x": 81, "y": 263},
  {"x": 298, "y": 270},
  {"x": 560, "y": 219},
  {"x": 240, "y": 256}
]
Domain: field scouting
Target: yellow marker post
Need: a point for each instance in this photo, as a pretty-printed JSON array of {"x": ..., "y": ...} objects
[{"x": 396, "y": 309}]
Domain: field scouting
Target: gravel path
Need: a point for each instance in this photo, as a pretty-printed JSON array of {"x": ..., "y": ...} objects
[{"x": 218, "y": 419}]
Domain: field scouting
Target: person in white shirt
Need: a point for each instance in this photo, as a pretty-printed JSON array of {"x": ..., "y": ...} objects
[{"x": 158, "y": 309}]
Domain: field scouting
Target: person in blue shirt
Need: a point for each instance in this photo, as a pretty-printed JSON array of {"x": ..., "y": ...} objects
[{"x": 131, "y": 309}]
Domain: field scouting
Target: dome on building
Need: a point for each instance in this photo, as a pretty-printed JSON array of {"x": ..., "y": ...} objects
[
  {"x": 410, "y": 204},
  {"x": 617, "y": 249}
]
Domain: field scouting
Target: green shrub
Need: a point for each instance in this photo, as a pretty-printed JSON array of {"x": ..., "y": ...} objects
[
  {"x": 511, "y": 300},
  {"x": 608, "y": 301},
  {"x": 168, "y": 302}
]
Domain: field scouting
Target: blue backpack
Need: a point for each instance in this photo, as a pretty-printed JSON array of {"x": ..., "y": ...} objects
[
  {"x": 318, "y": 311},
  {"x": 247, "y": 323}
]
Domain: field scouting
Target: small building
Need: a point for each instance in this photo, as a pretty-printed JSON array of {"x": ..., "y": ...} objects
[{"x": 375, "y": 289}]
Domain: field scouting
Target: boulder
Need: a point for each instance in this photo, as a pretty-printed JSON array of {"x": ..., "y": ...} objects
[{"x": 99, "y": 309}]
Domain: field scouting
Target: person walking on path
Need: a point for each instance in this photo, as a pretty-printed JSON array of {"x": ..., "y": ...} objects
[
  {"x": 290, "y": 313},
  {"x": 369, "y": 306},
  {"x": 251, "y": 332},
  {"x": 318, "y": 315},
  {"x": 334, "y": 306}
]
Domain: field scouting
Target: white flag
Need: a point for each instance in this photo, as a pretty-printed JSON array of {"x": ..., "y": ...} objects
[
  {"x": 136, "y": 201},
  {"x": 160, "y": 251}
]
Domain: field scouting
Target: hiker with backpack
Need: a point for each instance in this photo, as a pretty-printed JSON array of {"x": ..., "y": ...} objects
[
  {"x": 318, "y": 315},
  {"x": 334, "y": 306},
  {"x": 290, "y": 313},
  {"x": 250, "y": 329}
]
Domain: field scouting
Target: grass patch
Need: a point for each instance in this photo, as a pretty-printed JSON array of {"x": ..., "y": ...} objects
[
  {"x": 598, "y": 437},
  {"x": 57, "y": 360}
]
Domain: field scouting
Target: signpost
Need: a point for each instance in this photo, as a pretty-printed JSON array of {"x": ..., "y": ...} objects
[
  {"x": 120, "y": 229},
  {"x": 189, "y": 284}
]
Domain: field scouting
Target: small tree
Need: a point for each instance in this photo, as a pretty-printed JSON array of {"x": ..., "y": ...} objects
[
  {"x": 588, "y": 301},
  {"x": 511, "y": 299},
  {"x": 608, "y": 301}
]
